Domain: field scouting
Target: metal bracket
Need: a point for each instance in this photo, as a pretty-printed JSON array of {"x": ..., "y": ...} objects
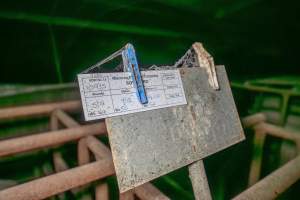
[
  {"x": 197, "y": 56},
  {"x": 206, "y": 61}
]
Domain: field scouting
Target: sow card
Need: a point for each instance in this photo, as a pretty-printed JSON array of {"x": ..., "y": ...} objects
[{"x": 111, "y": 94}]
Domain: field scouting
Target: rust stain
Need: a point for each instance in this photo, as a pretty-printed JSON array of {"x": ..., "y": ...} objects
[
  {"x": 193, "y": 113},
  {"x": 194, "y": 148}
]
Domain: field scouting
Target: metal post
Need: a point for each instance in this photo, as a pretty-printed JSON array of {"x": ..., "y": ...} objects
[
  {"x": 102, "y": 192},
  {"x": 148, "y": 192},
  {"x": 199, "y": 181}
]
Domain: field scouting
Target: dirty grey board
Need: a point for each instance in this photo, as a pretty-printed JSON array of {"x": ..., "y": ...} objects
[{"x": 149, "y": 144}]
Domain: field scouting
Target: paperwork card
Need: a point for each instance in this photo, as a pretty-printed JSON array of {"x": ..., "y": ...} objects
[{"x": 111, "y": 94}]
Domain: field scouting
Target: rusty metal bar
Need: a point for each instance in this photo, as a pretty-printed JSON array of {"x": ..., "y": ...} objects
[
  {"x": 93, "y": 144},
  {"x": 148, "y": 192},
  {"x": 278, "y": 131},
  {"x": 65, "y": 119},
  {"x": 50, "y": 185},
  {"x": 59, "y": 166},
  {"x": 27, "y": 143},
  {"x": 53, "y": 123},
  {"x": 274, "y": 184},
  {"x": 257, "y": 121},
  {"x": 98, "y": 148},
  {"x": 38, "y": 109},
  {"x": 102, "y": 192},
  {"x": 254, "y": 119},
  {"x": 129, "y": 195},
  {"x": 259, "y": 139},
  {"x": 256, "y": 162},
  {"x": 59, "y": 163},
  {"x": 199, "y": 181},
  {"x": 83, "y": 154}
]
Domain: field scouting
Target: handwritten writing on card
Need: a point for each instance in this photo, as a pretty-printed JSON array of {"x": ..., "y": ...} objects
[{"x": 110, "y": 94}]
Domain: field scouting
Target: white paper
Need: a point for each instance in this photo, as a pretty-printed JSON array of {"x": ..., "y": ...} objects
[{"x": 110, "y": 94}]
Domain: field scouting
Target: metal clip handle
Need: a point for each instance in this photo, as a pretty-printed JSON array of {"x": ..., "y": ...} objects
[{"x": 131, "y": 65}]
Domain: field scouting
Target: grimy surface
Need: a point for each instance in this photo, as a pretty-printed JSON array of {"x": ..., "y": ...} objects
[{"x": 149, "y": 144}]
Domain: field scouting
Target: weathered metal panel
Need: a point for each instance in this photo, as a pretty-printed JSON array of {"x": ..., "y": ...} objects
[{"x": 149, "y": 144}]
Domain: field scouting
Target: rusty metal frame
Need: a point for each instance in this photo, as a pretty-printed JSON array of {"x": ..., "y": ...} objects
[
  {"x": 65, "y": 179},
  {"x": 277, "y": 182},
  {"x": 274, "y": 184},
  {"x": 88, "y": 171}
]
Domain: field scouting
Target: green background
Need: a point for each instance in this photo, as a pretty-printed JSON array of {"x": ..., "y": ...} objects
[{"x": 47, "y": 41}]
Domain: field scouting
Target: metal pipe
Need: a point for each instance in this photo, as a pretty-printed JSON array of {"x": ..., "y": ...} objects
[
  {"x": 59, "y": 166},
  {"x": 38, "y": 110},
  {"x": 274, "y": 118},
  {"x": 274, "y": 184},
  {"x": 128, "y": 195},
  {"x": 83, "y": 154},
  {"x": 98, "y": 148},
  {"x": 53, "y": 123},
  {"x": 50, "y": 185},
  {"x": 38, "y": 88},
  {"x": 65, "y": 119},
  {"x": 278, "y": 131},
  {"x": 257, "y": 157},
  {"x": 36, "y": 141},
  {"x": 199, "y": 181},
  {"x": 254, "y": 119},
  {"x": 148, "y": 192},
  {"x": 59, "y": 163},
  {"x": 102, "y": 192}
]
